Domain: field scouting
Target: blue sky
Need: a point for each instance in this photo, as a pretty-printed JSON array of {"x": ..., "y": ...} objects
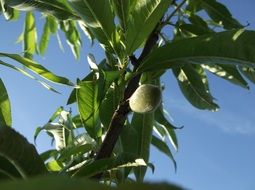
[{"x": 216, "y": 148}]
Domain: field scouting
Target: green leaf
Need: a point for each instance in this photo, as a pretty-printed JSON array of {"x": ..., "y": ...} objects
[
  {"x": 220, "y": 14},
  {"x": 88, "y": 106},
  {"x": 229, "y": 47},
  {"x": 168, "y": 128},
  {"x": 58, "y": 132},
  {"x": 87, "y": 32},
  {"x": 195, "y": 29},
  {"x": 66, "y": 183},
  {"x": 227, "y": 72},
  {"x": 109, "y": 105},
  {"x": 5, "y": 107},
  {"x": 71, "y": 151},
  {"x": 29, "y": 36},
  {"x": 8, "y": 169},
  {"x": 8, "y": 12},
  {"x": 22, "y": 71},
  {"x": 37, "y": 68},
  {"x": 72, "y": 36},
  {"x": 72, "y": 96},
  {"x": 127, "y": 145},
  {"x": 94, "y": 168},
  {"x": 99, "y": 18},
  {"x": 56, "y": 114},
  {"x": 163, "y": 147},
  {"x": 248, "y": 72},
  {"x": 102, "y": 165},
  {"x": 121, "y": 9},
  {"x": 45, "y": 37},
  {"x": 58, "y": 8},
  {"x": 143, "y": 19},
  {"x": 198, "y": 21},
  {"x": 20, "y": 153},
  {"x": 193, "y": 83},
  {"x": 143, "y": 123},
  {"x": 37, "y": 132},
  {"x": 48, "y": 154},
  {"x": 54, "y": 166}
]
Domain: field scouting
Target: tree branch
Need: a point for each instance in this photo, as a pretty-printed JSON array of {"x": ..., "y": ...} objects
[{"x": 119, "y": 117}]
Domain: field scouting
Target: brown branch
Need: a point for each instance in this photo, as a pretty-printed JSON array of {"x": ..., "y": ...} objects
[{"x": 119, "y": 117}]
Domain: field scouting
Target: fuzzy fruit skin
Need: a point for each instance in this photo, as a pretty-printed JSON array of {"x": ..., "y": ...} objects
[{"x": 146, "y": 98}]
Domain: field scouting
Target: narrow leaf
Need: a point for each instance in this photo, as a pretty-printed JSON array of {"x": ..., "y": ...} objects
[
  {"x": 5, "y": 107},
  {"x": 109, "y": 105},
  {"x": 220, "y": 14},
  {"x": 168, "y": 128},
  {"x": 72, "y": 36},
  {"x": 121, "y": 9},
  {"x": 22, "y": 71},
  {"x": 143, "y": 123},
  {"x": 162, "y": 146},
  {"x": 58, "y": 8},
  {"x": 37, "y": 68},
  {"x": 45, "y": 37},
  {"x": 248, "y": 72},
  {"x": 193, "y": 83},
  {"x": 229, "y": 73},
  {"x": 29, "y": 36},
  {"x": 236, "y": 47}
]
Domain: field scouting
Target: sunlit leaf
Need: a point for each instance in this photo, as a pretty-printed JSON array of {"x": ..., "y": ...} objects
[
  {"x": 143, "y": 19},
  {"x": 29, "y": 36},
  {"x": 58, "y": 132},
  {"x": 72, "y": 36},
  {"x": 58, "y": 8},
  {"x": 54, "y": 166},
  {"x": 121, "y": 9},
  {"x": 45, "y": 36},
  {"x": 8, "y": 12},
  {"x": 228, "y": 72},
  {"x": 22, "y": 71},
  {"x": 37, "y": 68},
  {"x": 88, "y": 105},
  {"x": 5, "y": 107},
  {"x": 99, "y": 18}
]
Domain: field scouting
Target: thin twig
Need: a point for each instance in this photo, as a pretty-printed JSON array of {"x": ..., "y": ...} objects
[{"x": 167, "y": 20}]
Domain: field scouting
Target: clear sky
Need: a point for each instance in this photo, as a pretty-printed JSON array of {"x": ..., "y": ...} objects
[{"x": 216, "y": 149}]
